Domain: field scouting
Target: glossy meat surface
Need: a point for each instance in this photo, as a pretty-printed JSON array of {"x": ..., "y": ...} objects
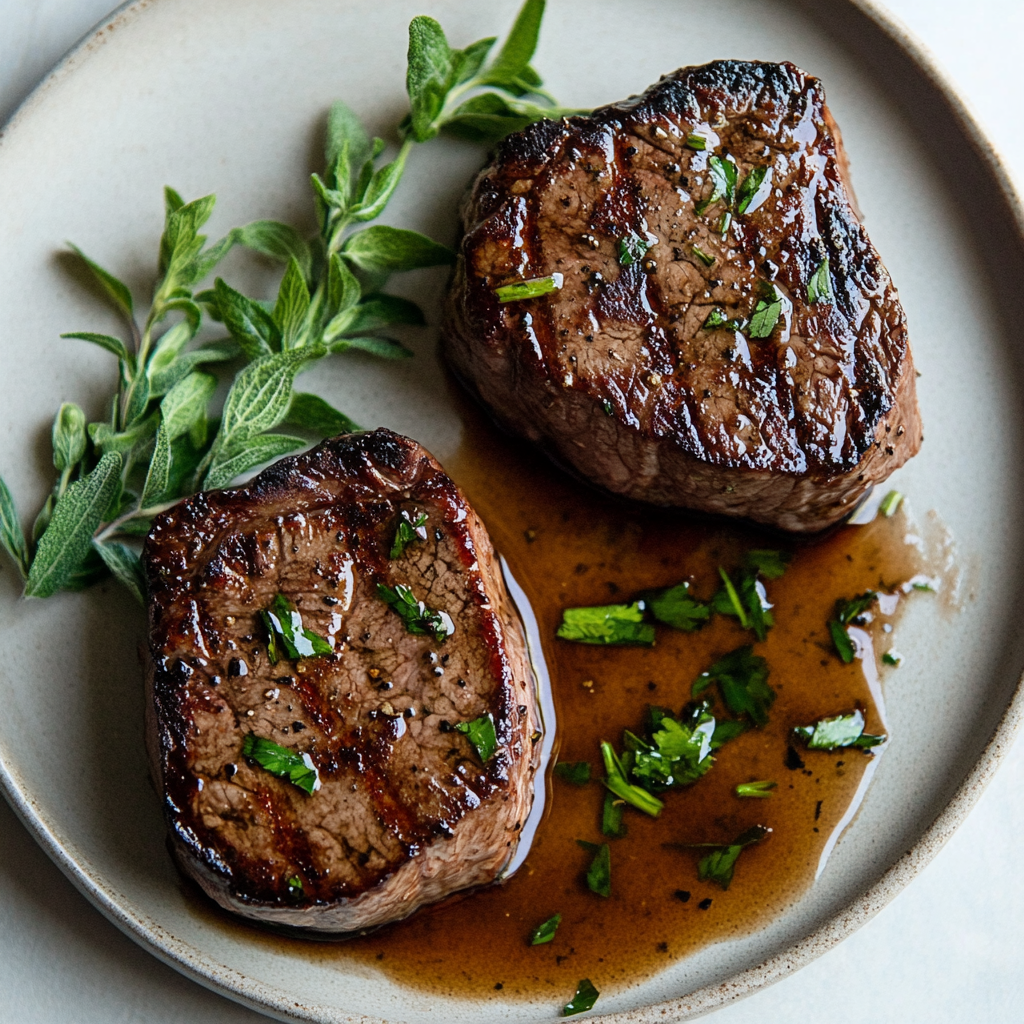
[
  {"x": 616, "y": 372},
  {"x": 406, "y": 812}
]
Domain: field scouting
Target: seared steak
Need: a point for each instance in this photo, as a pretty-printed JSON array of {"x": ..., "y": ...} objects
[
  {"x": 395, "y": 807},
  {"x": 725, "y": 337}
]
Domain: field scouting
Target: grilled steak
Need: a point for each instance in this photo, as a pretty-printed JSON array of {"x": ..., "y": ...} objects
[
  {"x": 724, "y": 337},
  {"x": 394, "y": 807}
]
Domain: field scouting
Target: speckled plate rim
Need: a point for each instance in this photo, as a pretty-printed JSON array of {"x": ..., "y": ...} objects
[{"x": 266, "y": 999}]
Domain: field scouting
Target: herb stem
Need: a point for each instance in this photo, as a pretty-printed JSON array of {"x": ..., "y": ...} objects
[{"x": 107, "y": 530}]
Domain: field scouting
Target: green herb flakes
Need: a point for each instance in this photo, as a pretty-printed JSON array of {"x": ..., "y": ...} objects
[
  {"x": 607, "y": 624},
  {"x": 727, "y": 729},
  {"x": 408, "y": 532},
  {"x": 706, "y": 258},
  {"x": 576, "y": 772},
  {"x": 632, "y": 249},
  {"x": 819, "y": 287},
  {"x": 849, "y": 612},
  {"x": 751, "y": 187},
  {"x": 295, "y": 887},
  {"x": 768, "y": 563},
  {"x": 599, "y": 874},
  {"x": 617, "y": 782},
  {"x": 298, "y": 769},
  {"x": 719, "y": 865},
  {"x": 742, "y": 679},
  {"x": 890, "y": 504},
  {"x": 893, "y": 658},
  {"x": 678, "y": 752},
  {"x": 586, "y": 996},
  {"x": 763, "y": 789},
  {"x": 697, "y": 141},
  {"x": 766, "y": 314},
  {"x": 284, "y": 629},
  {"x": 678, "y": 608},
  {"x": 480, "y": 732},
  {"x": 841, "y": 641},
  {"x": 531, "y": 289},
  {"x": 612, "y": 824},
  {"x": 839, "y": 731},
  {"x": 723, "y": 184},
  {"x": 418, "y": 618},
  {"x": 545, "y": 932}
]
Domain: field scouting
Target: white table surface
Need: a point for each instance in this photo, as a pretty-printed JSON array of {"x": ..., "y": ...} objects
[{"x": 948, "y": 949}]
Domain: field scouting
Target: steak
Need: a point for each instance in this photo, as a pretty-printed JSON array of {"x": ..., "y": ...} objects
[
  {"x": 394, "y": 806},
  {"x": 720, "y": 334}
]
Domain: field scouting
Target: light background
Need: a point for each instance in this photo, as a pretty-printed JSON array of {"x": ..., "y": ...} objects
[{"x": 948, "y": 949}]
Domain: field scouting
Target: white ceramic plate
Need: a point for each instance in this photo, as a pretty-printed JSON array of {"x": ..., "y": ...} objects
[{"x": 229, "y": 97}]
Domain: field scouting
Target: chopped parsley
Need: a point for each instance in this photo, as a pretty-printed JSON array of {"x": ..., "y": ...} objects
[
  {"x": 727, "y": 729},
  {"x": 545, "y": 932},
  {"x": 727, "y": 600},
  {"x": 632, "y": 249},
  {"x": 849, "y": 612},
  {"x": 750, "y": 186},
  {"x": 718, "y": 866},
  {"x": 742, "y": 679},
  {"x": 892, "y": 658},
  {"x": 295, "y": 887},
  {"x": 706, "y": 258},
  {"x": 819, "y": 287},
  {"x": 418, "y": 618},
  {"x": 480, "y": 732},
  {"x": 576, "y": 772},
  {"x": 724, "y": 223},
  {"x": 612, "y": 824},
  {"x": 678, "y": 608},
  {"x": 761, "y": 789},
  {"x": 717, "y": 318},
  {"x": 607, "y": 624},
  {"x": 697, "y": 141},
  {"x": 408, "y": 532},
  {"x": 285, "y": 630},
  {"x": 836, "y": 732},
  {"x": 770, "y": 564},
  {"x": 531, "y": 289},
  {"x": 617, "y": 782},
  {"x": 841, "y": 641},
  {"x": 586, "y": 996},
  {"x": 766, "y": 313},
  {"x": 890, "y": 504},
  {"x": 298, "y": 769},
  {"x": 599, "y": 874},
  {"x": 723, "y": 184},
  {"x": 677, "y": 754}
]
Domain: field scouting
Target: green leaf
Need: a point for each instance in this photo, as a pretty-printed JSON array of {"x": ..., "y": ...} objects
[
  {"x": 430, "y": 75},
  {"x": 519, "y": 46},
  {"x": 284, "y": 623},
  {"x": 383, "y": 348},
  {"x": 261, "y": 394},
  {"x": 836, "y": 732},
  {"x": 676, "y": 607},
  {"x": 545, "y": 932},
  {"x": 186, "y": 402},
  {"x": 473, "y": 57},
  {"x": 599, "y": 874},
  {"x": 584, "y": 999},
  {"x": 76, "y": 517},
  {"x": 719, "y": 865},
  {"x": 678, "y": 754},
  {"x": 298, "y": 769},
  {"x": 111, "y": 344},
  {"x": 11, "y": 534},
  {"x": 106, "y": 439},
  {"x": 116, "y": 290},
  {"x": 125, "y": 566},
  {"x": 138, "y": 400},
  {"x": 764, "y": 318},
  {"x": 383, "y": 310},
  {"x": 255, "y": 330},
  {"x": 394, "y": 249},
  {"x": 632, "y": 249},
  {"x": 705, "y": 257},
  {"x": 723, "y": 183},
  {"x": 575, "y": 772},
  {"x": 717, "y": 318},
  {"x": 343, "y": 290},
  {"x": 607, "y": 624},
  {"x": 418, "y": 618},
  {"x": 730, "y": 603},
  {"x": 278, "y": 241},
  {"x": 749, "y": 189},
  {"x": 379, "y": 190},
  {"x": 172, "y": 201},
  {"x": 770, "y": 564},
  {"x": 854, "y": 609},
  {"x": 346, "y": 139},
  {"x": 311, "y": 412},
  {"x": 841, "y": 641},
  {"x": 615, "y": 780},
  {"x": 480, "y": 732},
  {"x": 612, "y": 824},
  {"x": 207, "y": 259},
  {"x": 159, "y": 473},
  {"x": 233, "y": 461},
  {"x": 726, "y": 730},
  {"x": 180, "y": 242},
  {"x": 220, "y": 351},
  {"x": 407, "y": 532},
  {"x": 489, "y": 117},
  {"x": 890, "y": 504},
  {"x": 819, "y": 287},
  {"x": 68, "y": 436},
  {"x": 292, "y": 306},
  {"x": 742, "y": 679},
  {"x": 761, "y": 790}
]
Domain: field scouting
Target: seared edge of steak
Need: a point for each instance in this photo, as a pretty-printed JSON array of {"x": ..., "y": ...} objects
[
  {"x": 406, "y": 814},
  {"x": 614, "y": 372}
]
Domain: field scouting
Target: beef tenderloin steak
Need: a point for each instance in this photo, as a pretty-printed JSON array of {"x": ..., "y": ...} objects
[
  {"x": 725, "y": 337},
  {"x": 395, "y": 807}
]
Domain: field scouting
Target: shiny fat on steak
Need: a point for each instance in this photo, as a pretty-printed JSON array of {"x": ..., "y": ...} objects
[
  {"x": 405, "y": 812},
  {"x": 617, "y": 374}
]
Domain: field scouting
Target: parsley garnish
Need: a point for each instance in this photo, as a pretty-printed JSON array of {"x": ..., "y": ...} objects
[
  {"x": 298, "y": 769},
  {"x": 632, "y": 249},
  {"x": 840, "y": 731},
  {"x": 480, "y": 732},
  {"x": 612, "y": 824},
  {"x": 545, "y": 932},
  {"x": 727, "y": 729},
  {"x": 819, "y": 287},
  {"x": 678, "y": 753},
  {"x": 724, "y": 223},
  {"x": 723, "y": 182},
  {"x": 284, "y": 624},
  {"x": 576, "y": 772},
  {"x": 418, "y": 618},
  {"x": 408, "y": 532},
  {"x": 599, "y": 874},
  {"x": 586, "y": 996},
  {"x": 706, "y": 258},
  {"x": 697, "y": 141},
  {"x": 847, "y": 612},
  {"x": 616, "y": 781},
  {"x": 717, "y": 318},
  {"x": 742, "y": 679},
  {"x": 718, "y": 866},
  {"x": 607, "y": 624},
  {"x": 531, "y": 289},
  {"x": 750, "y": 186},
  {"x": 678, "y": 608},
  {"x": 766, "y": 313},
  {"x": 770, "y": 564},
  {"x": 892, "y": 658},
  {"x": 295, "y": 887},
  {"x": 890, "y": 503},
  {"x": 756, "y": 789}
]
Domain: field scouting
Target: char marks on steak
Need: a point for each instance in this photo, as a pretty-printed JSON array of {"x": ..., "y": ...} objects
[
  {"x": 406, "y": 813},
  {"x": 616, "y": 374}
]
